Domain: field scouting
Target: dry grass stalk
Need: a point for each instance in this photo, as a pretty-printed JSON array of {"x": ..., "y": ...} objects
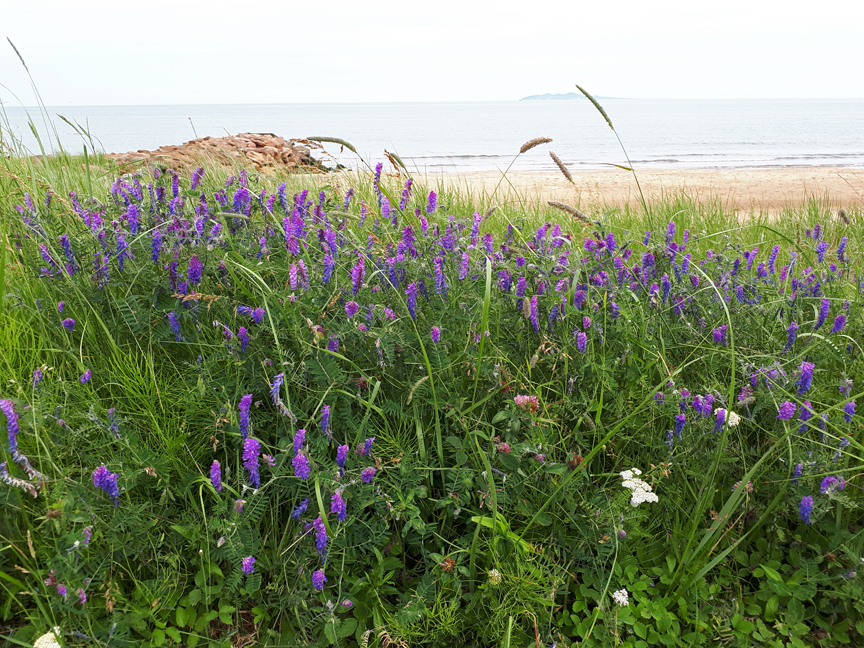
[
  {"x": 537, "y": 141},
  {"x": 841, "y": 214},
  {"x": 570, "y": 210},
  {"x": 561, "y": 166},
  {"x": 489, "y": 212}
]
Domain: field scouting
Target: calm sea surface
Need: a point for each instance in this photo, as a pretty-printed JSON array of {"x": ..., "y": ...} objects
[{"x": 485, "y": 135}]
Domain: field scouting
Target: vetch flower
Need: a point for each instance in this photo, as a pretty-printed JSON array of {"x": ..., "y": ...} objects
[
  {"x": 786, "y": 411},
  {"x": 367, "y": 446},
  {"x": 243, "y": 336},
  {"x": 299, "y": 440},
  {"x": 175, "y": 326},
  {"x": 848, "y": 411},
  {"x": 325, "y": 422},
  {"x": 216, "y": 475},
  {"x": 107, "y": 481},
  {"x": 85, "y": 377},
  {"x": 251, "y": 450},
  {"x": 581, "y": 341},
  {"x": 719, "y": 335},
  {"x": 790, "y": 336},
  {"x": 238, "y": 505},
  {"x": 244, "y": 405},
  {"x": 839, "y": 323},
  {"x": 8, "y": 408},
  {"x": 824, "y": 307},
  {"x": 805, "y": 508},
  {"x": 320, "y": 537},
  {"x": 435, "y": 334},
  {"x": 799, "y": 468},
  {"x": 318, "y": 579},
  {"x": 351, "y": 309},
  {"x": 347, "y": 604},
  {"x": 806, "y": 379},
  {"x": 831, "y": 483},
  {"x": 302, "y": 469},
  {"x": 248, "y": 564},
  {"x": 341, "y": 456},
  {"x": 720, "y": 413},
  {"x": 300, "y": 509},
  {"x": 68, "y": 323},
  {"x": 367, "y": 474},
  {"x": 338, "y": 507}
]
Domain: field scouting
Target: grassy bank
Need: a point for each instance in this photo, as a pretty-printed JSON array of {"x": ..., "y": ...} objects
[{"x": 469, "y": 386}]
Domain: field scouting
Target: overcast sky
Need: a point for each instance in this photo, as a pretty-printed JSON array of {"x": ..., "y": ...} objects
[{"x": 96, "y": 52}]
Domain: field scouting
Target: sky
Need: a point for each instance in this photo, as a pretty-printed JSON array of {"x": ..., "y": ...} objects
[{"x": 97, "y": 52}]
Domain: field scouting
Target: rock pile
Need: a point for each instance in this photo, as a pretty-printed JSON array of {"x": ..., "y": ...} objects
[{"x": 259, "y": 150}]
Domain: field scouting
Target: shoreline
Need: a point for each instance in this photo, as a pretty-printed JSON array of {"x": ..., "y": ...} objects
[{"x": 738, "y": 190}]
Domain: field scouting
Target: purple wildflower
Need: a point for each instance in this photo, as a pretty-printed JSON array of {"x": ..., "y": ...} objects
[
  {"x": 719, "y": 335},
  {"x": 248, "y": 564},
  {"x": 581, "y": 341},
  {"x": 787, "y": 411},
  {"x": 367, "y": 474},
  {"x": 325, "y": 421},
  {"x": 37, "y": 377},
  {"x": 720, "y": 420},
  {"x": 275, "y": 387},
  {"x": 839, "y": 323},
  {"x": 175, "y": 326},
  {"x": 586, "y": 322},
  {"x": 806, "y": 379},
  {"x": 435, "y": 334},
  {"x": 197, "y": 176},
  {"x": 533, "y": 314},
  {"x": 790, "y": 336},
  {"x": 195, "y": 271},
  {"x": 821, "y": 249},
  {"x": 216, "y": 475},
  {"x": 848, "y": 411},
  {"x": 351, "y": 309},
  {"x": 333, "y": 344},
  {"x": 432, "y": 204},
  {"x": 338, "y": 507},
  {"x": 318, "y": 579},
  {"x": 805, "y": 509},
  {"x": 367, "y": 446},
  {"x": 245, "y": 404},
  {"x": 347, "y": 604},
  {"x": 320, "y": 537},
  {"x": 68, "y": 324},
  {"x": 107, "y": 481},
  {"x": 824, "y": 307},
  {"x": 87, "y": 532},
  {"x": 357, "y": 273},
  {"x": 299, "y": 440},
  {"x": 680, "y": 420},
  {"x": 302, "y": 470},
  {"x": 238, "y": 505},
  {"x": 411, "y": 292},
  {"x": 799, "y": 468},
  {"x": 243, "y": 336},
  {"x": 85, "y": 377},
  {"x": 341, "y": 456},
  {"x": 831, "y": 483},
  {"x": 300, "y": 509},
  {"x": 8, "y": 409},
  {"x": 251, "y": 450}
]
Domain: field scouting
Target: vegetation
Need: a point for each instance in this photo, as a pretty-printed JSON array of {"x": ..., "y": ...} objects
[{"x": 347, "y": 410}]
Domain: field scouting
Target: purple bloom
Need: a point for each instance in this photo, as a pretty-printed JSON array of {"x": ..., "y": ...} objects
[
  {"x": 790, "y": 336},
  {"x": 659, "y": 397},
  {"x": 720, "y": 335},
  {"x": 68, "y": 323},
  {"x": 831, "y": 483},
  {"x": 680, "y": 420},
  {"x": 107, "y": 481},
  {"x": 195, "y": 271},
  {"x": 787, "y": 411},
  {"x": 248, "y": 564},
  {"x": 275, "y": 387},
  {"x": 216, "y": 475},
  {"x": 367, "y": 446},
  {"x": 197, "y": 176},
  {"x": 806, "y": 379},
  {"x": 357, "y": 273},
  {"x": 245, "y": 404},
  {"x": 338, "y": 507},
  {"x": 839, "y": 323},
  {"x": 299, "y": 440},
  {"x": 533, "y": 314},
  {"x": 821, "y": 249},
  {"x": 82, "y": 596},
  {"x": 799, "y": 468},
  {"x": 581, "y": 341},
  {"x": 8, "y": 409},
  {"x": 351, "y": 309},
  {"x": 37, "y": 377},
  {"x": 347, "y": 604},
  {"x": 87, "y": 532},
  {"x": 849, "y": 411},
  {"x": 411, "y": 292},
  {"x": 333, "y": 344},
  {"x": 586, "y": 322},
  {"x": 302, "y": 470},
  {"x": 341, "y": 456},
  {"x": 243, "y": 336},
  {"x": 432, "y": 204},
  {"x": 367, "y": 474},
  {"x": 320, "y": 537},
  {"x": 805, "y": 509},
  {"x": 824, "y": 307},
  {"x": 238, "y": 505},
  {"x": 300, "y": 509},
  {"x": 175, "y": 326},
  {"x": 435, "y": 334},
  {"x": 85, "y": 377},
  {"x": 325, "y": 421},
  {"x": 251, "y": 450},
  {"x": 721, "y": 419},
  {"x": 318, "y": 579}
]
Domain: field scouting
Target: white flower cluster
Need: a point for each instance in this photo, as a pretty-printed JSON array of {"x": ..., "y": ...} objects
[
  {"x": 494, "y": 577},
  {"x": 734, "y": 419},
  {"x": 621, "y": 598},
  {"x": 641, "y": 491},
  {"x": 49, "y": 639}
]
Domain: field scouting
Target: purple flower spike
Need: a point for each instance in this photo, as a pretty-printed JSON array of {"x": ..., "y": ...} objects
[
  {"x": 325, "y": 422},
  {"x": 299, "y": 440},
  {"x": 341, "y": 456},
  {"x": 245, "y": 404},
  {"x": 302, "y": 469},
  {"x": 806, "y": 379},
  {"x": 196, "y": 270},
  {"x": 68, "y": 324},
  {"x": 805, "y": 509},
  {"x": 300, "y": 509},
  {"x": 839, "y": 323},
  {"x": 338, "y": 507},
  {"x": 318, "y": 579},
  {"x": 251, "y": 450},
  {"x": 175, "y": 326},
  {"x": 216, "y": 475},
  {"x": 367, "y": 474},
  {"x": 435, "y": 334},
  {"x": 432, "y": 205},
  {"x": 787, "y": 411},
  {"x": 848, "y": 411},
  {"x": 107, "y": 481},
  {"x": 351, "y": 309},
  {"x": 8, "y": 409},
  {"x": 85, "y": 377},
  {"x": 320, "y": 537},
  {"x": 581, "y": 341},
  {"x": 275, "y": 387},
  {"x": 248, "y": 565},
  {"x": 831, "y": 483}
]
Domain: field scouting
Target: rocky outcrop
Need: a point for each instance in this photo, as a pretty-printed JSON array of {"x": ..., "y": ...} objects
[{"x": 263, "y": 151}]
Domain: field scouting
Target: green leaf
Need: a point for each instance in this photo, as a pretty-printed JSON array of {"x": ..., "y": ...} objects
[
  {"x": 330, "y": 630},
  {"x": 772, "y": 573},
  {"x": 174, "y": 633},
  {"x": 157, "y": 637},
  {"x": 509, "y": 461},
  {"x": 180, "y": 616},
  {"x": 347, "y": 628}
]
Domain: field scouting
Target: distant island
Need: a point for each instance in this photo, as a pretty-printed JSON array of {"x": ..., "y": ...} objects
[{"x": 559, "y": 97}]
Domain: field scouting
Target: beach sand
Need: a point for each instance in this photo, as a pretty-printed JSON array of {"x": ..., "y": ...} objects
[{"x": 738, "y": 190}]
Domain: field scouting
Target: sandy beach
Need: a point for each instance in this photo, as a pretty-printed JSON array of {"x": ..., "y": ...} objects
[{"x": 739, "y": 190}]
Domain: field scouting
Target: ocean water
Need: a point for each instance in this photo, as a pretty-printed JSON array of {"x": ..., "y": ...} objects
[{"x": 473, "y": 136}]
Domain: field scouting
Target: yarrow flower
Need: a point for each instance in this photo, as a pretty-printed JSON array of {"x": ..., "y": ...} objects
[
  {"x": 216, "y": 475},
  {"x": 621, "y": 598},
  {"x": 107, "y": 481},
  {"x": 640, "y": 490},
  {"x": 318, "y": 579},
  {"x": 248, "y": 564}
]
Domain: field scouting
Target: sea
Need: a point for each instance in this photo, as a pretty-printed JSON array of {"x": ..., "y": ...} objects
[{"x": 483, "y": 136}]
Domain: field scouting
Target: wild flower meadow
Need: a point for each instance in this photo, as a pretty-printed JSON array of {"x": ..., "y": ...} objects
[{"x": 368, "y": 415}]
